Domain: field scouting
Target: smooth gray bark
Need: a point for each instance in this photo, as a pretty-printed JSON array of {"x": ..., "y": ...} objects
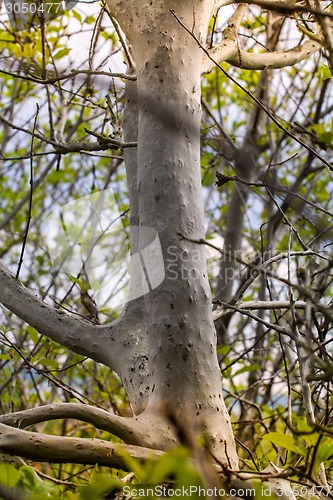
[{"x": 185, "y": 377}]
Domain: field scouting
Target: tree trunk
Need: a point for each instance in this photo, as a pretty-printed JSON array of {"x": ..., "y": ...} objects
[{"x": 185, "y": 379}]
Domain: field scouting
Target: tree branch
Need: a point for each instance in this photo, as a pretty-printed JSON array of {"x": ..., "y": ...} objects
[
  {"x": 58, "y": 449},
  {"x": 117, "y": 345},
  {"x": 53, "y": 449},
  {"x": 127, "y": 429},
  {"x": 102, "y": 144},
  {"x": 227, "y": 51},
  {"x": 228, "y": 46},
  {"x": 282, "y": 7},
  {"x": 67, "y": 76},
  {"x": 256, "y": 305},
  {"x": 77, "y": 335},
  {"x": 275, "y": 60},
  {"x": 326, "y": 28}
]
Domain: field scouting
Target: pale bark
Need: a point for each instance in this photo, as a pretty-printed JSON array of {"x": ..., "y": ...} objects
[
  {"x": 185, "y": 378},
  {"x": 132, "y": 430},
  {"x": 58, "y": 449},
  {"x": 273, "y": 60}
]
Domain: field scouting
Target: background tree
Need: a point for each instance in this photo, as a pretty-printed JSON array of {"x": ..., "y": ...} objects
[{"x": 266, "y": 134}]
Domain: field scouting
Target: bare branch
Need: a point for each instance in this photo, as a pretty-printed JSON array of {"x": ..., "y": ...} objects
[
  {"x": 282, "y": 7},
  {"x": 120, "y": 345},
  {"x": 127, "y": 429},
  {"x": 257, "y": 101},
  {"x": 326, "y": 28},
  {"x": 77, "y": 335},
  {"x": 275, "y": 60},
  {"x": 68, "y": 76},
  {"x": 256, "y": 305},
  {"x": 228, "y": 46},
  {"x": 222, "y": 3},
  {"x": 103, "y": 143},
  {"x": 53, "y": 449},
  {"x": 269, "y": 325}
]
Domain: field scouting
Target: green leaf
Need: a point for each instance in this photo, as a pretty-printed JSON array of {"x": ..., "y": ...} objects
[
  {"x": 62, "y": 53},
  {"x": 28, "y": 479},
  {"x": 90, "y": 19},
  {"x": 223, "y": 349},
  {"x": 309, "y": 436},
  {"x": 282, "y": 440},
  {"x": 326, "y": 72},
  {"x": 250, "y": 368},
  {"x": 33, "y": 334},
  {"x": 77, "y": 15},
  {"x": 9, "y": 476},
  {"x": 325, "y": 450},
  {"x": 100, "y": 485},
  {"x": 82, "y": 284},
  {"x": 48, "y": 362},
  {"x": 5, "y": 357}
]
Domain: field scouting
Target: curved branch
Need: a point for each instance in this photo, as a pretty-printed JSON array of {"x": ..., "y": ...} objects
[
  {"x": 274, "y": 60},
  {"x": 222, "y": 3},
  {"x": 119, "y": 345},
  {"x": 59, "y": 449},
  {"x": 122, "y": 427},
  {"x": 150, "y": 430},
  {"x": 77, "y": 335}
]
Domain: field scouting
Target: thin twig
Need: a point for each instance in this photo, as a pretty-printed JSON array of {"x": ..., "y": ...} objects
[
  {"x": 31, "y": 182},
  {"x": 253, "y": 97}
]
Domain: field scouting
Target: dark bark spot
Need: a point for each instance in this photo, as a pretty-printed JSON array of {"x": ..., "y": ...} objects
[{"x": 172, "y": 306}]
